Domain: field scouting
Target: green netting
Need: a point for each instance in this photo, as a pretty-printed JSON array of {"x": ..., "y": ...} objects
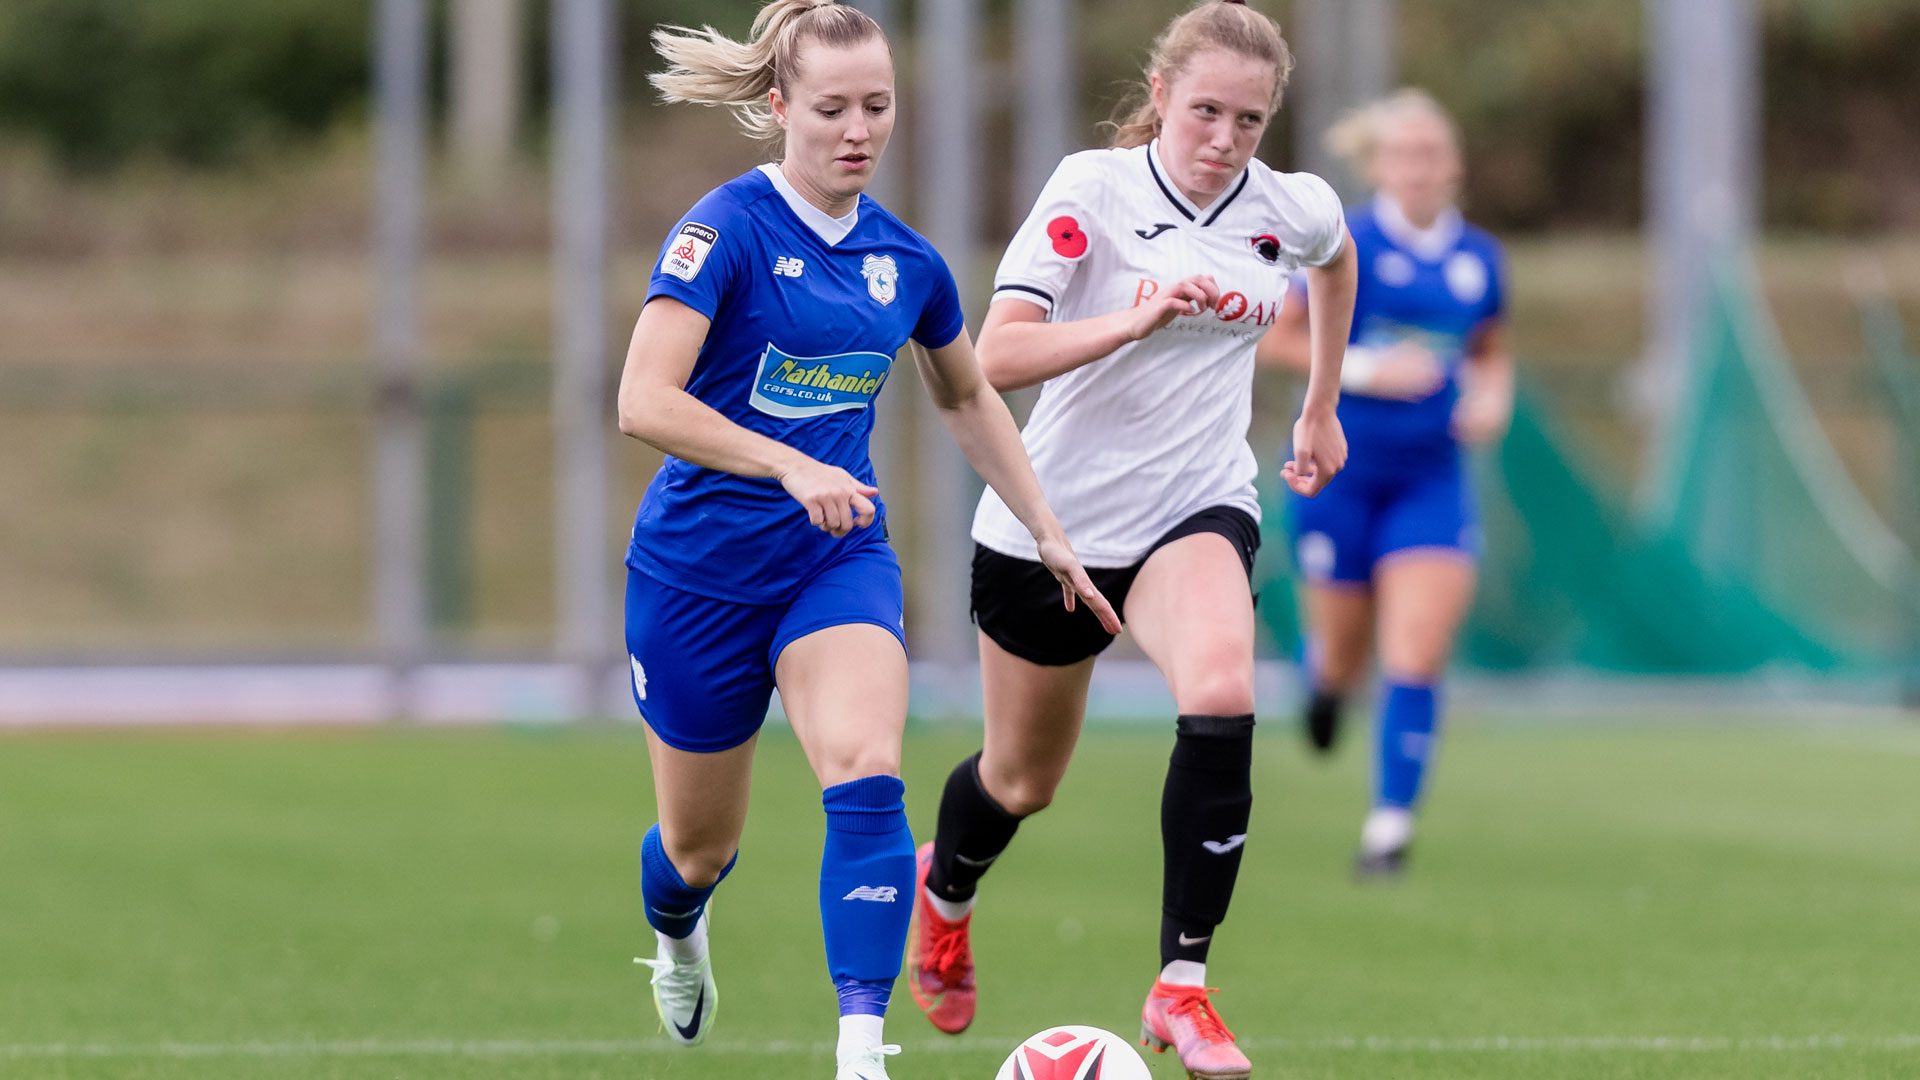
[
  {"x": 1752, "y": 489},
  {"x": 1757, "y": 550}
]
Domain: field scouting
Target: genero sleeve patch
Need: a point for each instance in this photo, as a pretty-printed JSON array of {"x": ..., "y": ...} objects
[{"x": 688, "y": 252}]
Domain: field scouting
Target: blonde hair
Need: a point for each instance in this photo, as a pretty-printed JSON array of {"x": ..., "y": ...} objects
[
  {"x": 1215, "y": 24},
  {"x": 705, "y": 67},
  {"x": 1356, "y": 135}
]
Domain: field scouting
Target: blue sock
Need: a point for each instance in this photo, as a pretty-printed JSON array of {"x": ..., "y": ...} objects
[
  {"x": 866, "y": 889},
  {"x": 673, "y": 906},
  {"x": 1408, "y": 714}
]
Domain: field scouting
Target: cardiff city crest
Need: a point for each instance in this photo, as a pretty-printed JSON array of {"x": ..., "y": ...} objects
[{"x": 883, "y": 277}]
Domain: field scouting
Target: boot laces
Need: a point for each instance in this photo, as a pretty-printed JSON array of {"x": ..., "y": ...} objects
[
  {"x": 947, "y": 951},
  {"x": 1192, "y": 1003}
]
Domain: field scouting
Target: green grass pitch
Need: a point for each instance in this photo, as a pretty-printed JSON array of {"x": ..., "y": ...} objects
[{"x": 1630, "y": 897}]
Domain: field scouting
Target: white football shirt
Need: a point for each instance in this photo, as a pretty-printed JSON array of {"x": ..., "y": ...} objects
[{"x": 1132, "y": 444}]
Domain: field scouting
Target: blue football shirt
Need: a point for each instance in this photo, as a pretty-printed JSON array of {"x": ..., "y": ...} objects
[
  {"x": 808, "y": 312},
  {"x": 1436, "y": 287}
]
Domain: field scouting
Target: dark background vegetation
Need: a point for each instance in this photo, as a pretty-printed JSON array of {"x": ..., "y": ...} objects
[{"x": 1549, "y": 92}]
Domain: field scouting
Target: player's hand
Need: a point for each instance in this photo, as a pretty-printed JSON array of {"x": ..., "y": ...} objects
[
  {"x": 1481, "y": 415},
  {"x": 1403, "y": 371},
  {"x": 836, "y": 502},
  {"x": 1057, "y": 555},
  {"x": 1190, "y": 297},
  {"x": 1319, "y": 451}
]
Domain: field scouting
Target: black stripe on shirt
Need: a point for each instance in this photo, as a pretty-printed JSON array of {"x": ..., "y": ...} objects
[{"x": 1041, "y": 293}]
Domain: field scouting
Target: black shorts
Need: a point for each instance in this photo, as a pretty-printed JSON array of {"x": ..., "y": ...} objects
[{"x": 1016, "y": 602}]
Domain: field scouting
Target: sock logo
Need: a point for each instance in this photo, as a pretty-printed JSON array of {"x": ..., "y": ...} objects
[
  {"x": 1221, "y": 848},
  {"x": 977, "y": 864},
  {"x": 1201, "y": 940},
  {"x": 879, "y": 894}
]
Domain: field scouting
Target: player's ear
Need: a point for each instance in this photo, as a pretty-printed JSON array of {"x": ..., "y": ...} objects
[
  {"x": 778, "y": 103},
  {"x": 1157, "y": 93}
]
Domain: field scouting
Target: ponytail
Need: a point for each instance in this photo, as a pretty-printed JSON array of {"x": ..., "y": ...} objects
[{"x": 705, "y": 67}]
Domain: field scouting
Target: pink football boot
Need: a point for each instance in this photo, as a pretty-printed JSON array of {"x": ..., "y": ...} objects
[
  {"x": 1183, "y": 1018},
  {"x": 939, "y": 959}
]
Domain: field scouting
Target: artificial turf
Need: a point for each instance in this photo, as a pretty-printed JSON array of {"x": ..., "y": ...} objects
[{"x": 1614, "y": 896}]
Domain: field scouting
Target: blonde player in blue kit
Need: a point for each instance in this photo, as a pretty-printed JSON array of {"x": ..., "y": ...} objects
[
  {"x": 1389, "y": 552},
  {"x": 759, "y": 556}
]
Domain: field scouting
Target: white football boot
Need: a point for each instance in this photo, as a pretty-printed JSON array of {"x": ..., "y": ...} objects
[
  {"x": 867, "y": 1064},
  {"x": 683, "y": 990}
]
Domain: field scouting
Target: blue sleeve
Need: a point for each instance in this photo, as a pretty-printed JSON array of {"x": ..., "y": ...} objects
[
  {"x": 941, "y": 319},
  {"x": 1495, "y": 305},
  {"x": 702, "y": 258}
]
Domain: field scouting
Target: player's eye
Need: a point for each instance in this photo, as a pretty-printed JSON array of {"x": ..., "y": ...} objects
[
  {"x": 828, "y": 113},
  {"x": 1207, "y": 110}
]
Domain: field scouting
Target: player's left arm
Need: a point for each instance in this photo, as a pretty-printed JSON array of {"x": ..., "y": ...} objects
[
  {"x": 981, "y": 424},
  {"x": 1485, "y": 408},
  {"x": 1319, "y": 446}
]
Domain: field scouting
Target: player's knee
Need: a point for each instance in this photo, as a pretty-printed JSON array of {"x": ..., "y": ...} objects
[
  {"x": 1018, "y": 788},
  {"x": 847, "y": 763},
  {"x": 1027, "y": 795},
  {"x": 701, "y": 867},
  {"x": 1220, "y": 690},
  {"x": 1415, "y": 661}
]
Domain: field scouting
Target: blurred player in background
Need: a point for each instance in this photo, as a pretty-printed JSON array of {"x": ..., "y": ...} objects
[
  {"x": 1389, "y": 553},
  {"x": 1135, "y": 295},
  {"x": 759, "y": 555}
]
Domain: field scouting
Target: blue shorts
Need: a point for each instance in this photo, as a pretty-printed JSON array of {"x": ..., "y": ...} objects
[
  {"x": 1341, "y": 534},
  {"x": 702, "y": 669}
]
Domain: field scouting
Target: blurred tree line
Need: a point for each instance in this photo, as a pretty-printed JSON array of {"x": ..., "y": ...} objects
[{"x": 1549, "y": 92}]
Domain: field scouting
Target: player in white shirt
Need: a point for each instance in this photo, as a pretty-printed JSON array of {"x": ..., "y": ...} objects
[{"x": 1137, "y": 293}]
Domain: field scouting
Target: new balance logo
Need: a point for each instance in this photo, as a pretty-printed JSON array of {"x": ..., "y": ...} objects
[
  {"x": 879, "y": 894},
  {"x": 788, "y": 266},
  {"x": 1158, "y": 228},
  {"x": 1221, "y": 848}
]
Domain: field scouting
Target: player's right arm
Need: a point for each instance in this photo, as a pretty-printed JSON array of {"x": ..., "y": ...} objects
[
  {"x": 1020, "y": 348},
  {"x": 655, "y": 408}
]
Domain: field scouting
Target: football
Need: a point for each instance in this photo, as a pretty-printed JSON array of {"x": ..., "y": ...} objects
[{"x": 1074, "y": 1052}]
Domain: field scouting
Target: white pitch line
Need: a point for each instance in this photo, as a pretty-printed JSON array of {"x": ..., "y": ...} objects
[{"x": 1654, "y": 1044}]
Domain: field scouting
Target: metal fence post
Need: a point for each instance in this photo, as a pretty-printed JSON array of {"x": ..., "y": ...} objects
[
  {"x": 400, "y": 451},
  {"x": 583, "y": 52}
]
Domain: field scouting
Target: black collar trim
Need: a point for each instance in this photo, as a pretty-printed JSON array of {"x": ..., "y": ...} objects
[
  {"x": 1231, "y": 195},
  {"x": 1164, "y": 189},
  {"x": 1154, "y": 168}
]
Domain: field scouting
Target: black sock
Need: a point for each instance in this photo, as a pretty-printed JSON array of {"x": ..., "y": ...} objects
[
  {"x": 973, "y": 831},
  {"x": 1203, "y": 829},
  {"x": 1323, "y": 719}
]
